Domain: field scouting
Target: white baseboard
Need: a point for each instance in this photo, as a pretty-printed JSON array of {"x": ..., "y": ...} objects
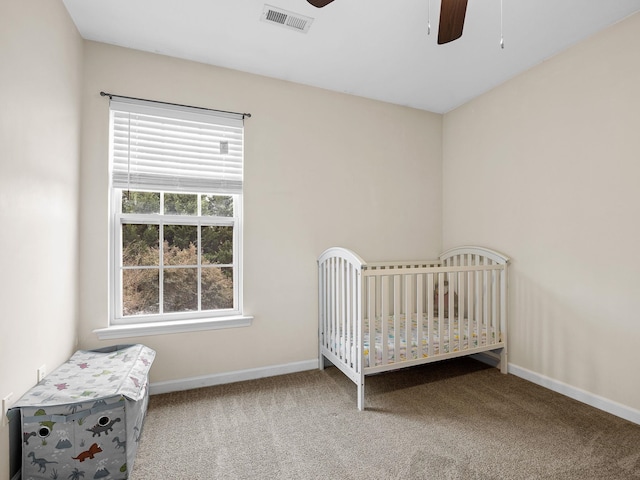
[
  {"x": 601, "y": 403},
  {"x": 230, "y": 377},
  {"x": 578, "y": 394}
]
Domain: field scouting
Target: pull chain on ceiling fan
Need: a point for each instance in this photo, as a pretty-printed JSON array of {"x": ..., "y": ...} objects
[
  {"x": 501, "y": 27},
  {"x": 452, "y": 13}
]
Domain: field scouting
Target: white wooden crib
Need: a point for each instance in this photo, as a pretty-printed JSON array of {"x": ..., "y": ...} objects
[{"x": 420, "y": 311}]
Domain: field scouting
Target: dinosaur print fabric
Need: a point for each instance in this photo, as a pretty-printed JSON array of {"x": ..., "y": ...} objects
[{"x": 84, "y": 419}]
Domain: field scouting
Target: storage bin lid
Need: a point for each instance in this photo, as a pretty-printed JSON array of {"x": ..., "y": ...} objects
[{"x": 94, "y": 374}]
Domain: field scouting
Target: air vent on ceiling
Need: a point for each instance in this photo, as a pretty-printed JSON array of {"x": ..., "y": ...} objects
[{"x": 287, "y": 19}]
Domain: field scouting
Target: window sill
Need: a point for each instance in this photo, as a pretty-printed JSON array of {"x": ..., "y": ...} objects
[{"x": 162, "y": 328}]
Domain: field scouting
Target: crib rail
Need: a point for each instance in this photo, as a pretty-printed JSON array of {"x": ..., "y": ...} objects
[
  {"x": 428, "y": 313},
  {"x": 401, "y": 265}
]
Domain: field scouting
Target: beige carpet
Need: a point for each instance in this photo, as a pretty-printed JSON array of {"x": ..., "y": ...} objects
[{"x": 453, "y": 420}]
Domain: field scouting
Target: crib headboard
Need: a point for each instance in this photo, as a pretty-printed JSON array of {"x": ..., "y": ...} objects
[
  {"x": 469, "y": 255},
  {"x": 344, "y": 253}
]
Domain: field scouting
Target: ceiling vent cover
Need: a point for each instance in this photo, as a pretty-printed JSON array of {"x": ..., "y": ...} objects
[{"x": 284, "y": 18}]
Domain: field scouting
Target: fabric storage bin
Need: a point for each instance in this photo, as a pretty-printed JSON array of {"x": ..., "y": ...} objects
[{"x": 84, "y": 419}]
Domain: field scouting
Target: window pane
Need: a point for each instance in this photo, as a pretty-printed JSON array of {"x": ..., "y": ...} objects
[
  {"x": 140, "y": 202},
  {"x": 180, "y": 245},
  {"x": 140, "y": 244},
  {"x": 217, "y": 205},
  {"x": 217, "y": 288},
  {"x": 140, "y": 291},
  {"x": 180, "y": 204},
  {"x": 180, "y": 289},
  {"x": 217, "y": 245}
]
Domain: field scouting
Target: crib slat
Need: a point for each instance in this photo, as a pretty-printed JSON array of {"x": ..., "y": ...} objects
[
  {"x": 419, "y": 315},
  {"x": 503, "y": 318},
  {"x": 441, "y": 329},
  {"x": 327, "y": 305},
  {"x": 352, "y": 316},
  {"x": 486, "y": 298},
  {"x": 464, "y": 320},
  {"x": 321, "y": 309},
  {"x": 479, "y": 305},
  {"x": 321, "y": 296},
  {"x": 336, "y": 313},
  {"x": 337, "y": 305},
  {"x": 468, "y": 306},
  {"x": 447, "y": 294},
  {"x": 329, "y": 319},
  {"x": 351, "y": 325},
  {"x": 323, "y": 304},
  {"x": 327, "y": 309},
  {"x": 453, "y": 342},
  {"x": 430, "y": 314},
  {"x": 454, "y": 321},
  {"x": 397, "y": 329},
  {"x": 452, "y": 279},
  {"x": 384, "y": 318},
  {"x": 502, "y": 313},
  {"x": 346, "y": 308},
  {"x": 344, "y": 304},
  {"x": 356, "y": 323},
  {"x": 371, "y": 288},
  {"x": 450, "y": 312},
  {"x": 408, "y": 315},
  {"x": 494, "y": 307},
  {"x": 471, "y": 308},
  {"x": 334, "y": 307}
]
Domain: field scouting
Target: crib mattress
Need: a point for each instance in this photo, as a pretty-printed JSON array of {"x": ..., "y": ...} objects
[{"x": 464, "y": 334}]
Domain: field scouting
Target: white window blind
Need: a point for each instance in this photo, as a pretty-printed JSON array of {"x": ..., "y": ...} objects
[{"x": 174, "y": 148}]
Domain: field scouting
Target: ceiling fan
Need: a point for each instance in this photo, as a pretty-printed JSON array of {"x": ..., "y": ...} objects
[{"x": 452, "y": 14}]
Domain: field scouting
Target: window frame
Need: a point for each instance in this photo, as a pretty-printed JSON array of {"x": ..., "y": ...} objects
[
  {"x": 117, "y": 317},
  {"x": 121, "y": 326}
]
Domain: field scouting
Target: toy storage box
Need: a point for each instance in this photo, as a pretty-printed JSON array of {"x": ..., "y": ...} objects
[{"x": 84, "y": 419}]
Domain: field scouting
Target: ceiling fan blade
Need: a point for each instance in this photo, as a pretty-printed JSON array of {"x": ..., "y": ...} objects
[
  {"x": 319, "y": 3},
  {"x": 452, "y": 14}
]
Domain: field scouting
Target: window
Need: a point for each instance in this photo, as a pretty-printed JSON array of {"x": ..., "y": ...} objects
[
  {"x": 175, "y": 254},
  {"x": 176, "y": 213}
]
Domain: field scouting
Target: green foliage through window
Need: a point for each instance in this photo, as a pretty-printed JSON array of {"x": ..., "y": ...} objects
[{"x": 193, "y": 271}]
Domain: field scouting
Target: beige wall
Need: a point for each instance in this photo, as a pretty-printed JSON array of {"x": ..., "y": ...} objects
[
  {"x": 40, "y": 84},
  {"x": 321, "y": 169},
  {"x": 546, "y": 168}
]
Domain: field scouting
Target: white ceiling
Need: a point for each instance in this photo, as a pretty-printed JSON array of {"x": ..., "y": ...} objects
[{"x": 377, "y": 49}]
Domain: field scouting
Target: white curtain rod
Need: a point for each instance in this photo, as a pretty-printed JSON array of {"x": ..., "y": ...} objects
[{"x": 112, "y": 95}]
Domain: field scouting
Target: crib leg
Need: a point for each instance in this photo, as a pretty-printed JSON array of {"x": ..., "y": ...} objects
[
  {"x": 323, "y": 362},
  {"x": 503, "y": 361},
  {"x": 361, "y": 395}
]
